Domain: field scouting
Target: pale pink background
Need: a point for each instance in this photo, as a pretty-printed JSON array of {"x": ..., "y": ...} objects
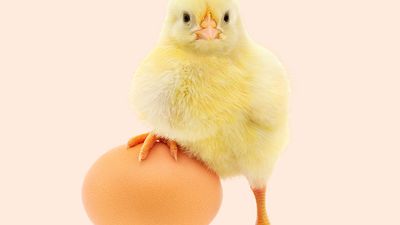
[{"x": 65, "y": 69}]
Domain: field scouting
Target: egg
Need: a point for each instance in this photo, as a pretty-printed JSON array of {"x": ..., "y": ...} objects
[{"x": 119, "y": 190}]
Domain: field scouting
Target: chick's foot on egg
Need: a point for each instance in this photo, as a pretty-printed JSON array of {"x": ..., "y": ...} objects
[
  {"x": 262, "y": 218},
  {"x": 148, "y": 140}
]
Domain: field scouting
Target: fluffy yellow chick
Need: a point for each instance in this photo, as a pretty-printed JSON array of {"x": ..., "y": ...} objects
[{"x": 210, "y": 88}]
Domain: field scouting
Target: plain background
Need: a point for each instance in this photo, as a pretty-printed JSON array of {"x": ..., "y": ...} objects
[{"x": 65, "y": 69}]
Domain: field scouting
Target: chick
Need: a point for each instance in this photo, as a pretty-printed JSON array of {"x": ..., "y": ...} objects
[{"x": 209, "y": 87}]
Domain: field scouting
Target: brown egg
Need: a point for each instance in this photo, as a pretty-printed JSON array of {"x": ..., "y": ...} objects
[{"x": 118, "y": 190}]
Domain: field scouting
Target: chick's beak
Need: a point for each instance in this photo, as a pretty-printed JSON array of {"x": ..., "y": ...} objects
[{"x": 209, "y": 29}]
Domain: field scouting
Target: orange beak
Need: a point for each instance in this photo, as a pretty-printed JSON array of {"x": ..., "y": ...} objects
[{"x": 209, "y": 29}]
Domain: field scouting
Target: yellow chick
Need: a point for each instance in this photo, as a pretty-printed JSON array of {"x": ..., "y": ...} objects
[{"x": 210, "y": 88}]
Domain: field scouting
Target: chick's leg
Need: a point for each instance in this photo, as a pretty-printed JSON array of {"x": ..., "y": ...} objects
[
  {"x": 262, "y": 218},
  {"x": 148, "y": 140}
]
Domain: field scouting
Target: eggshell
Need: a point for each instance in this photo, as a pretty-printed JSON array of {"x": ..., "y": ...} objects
[{"x": 118, "y": 190}]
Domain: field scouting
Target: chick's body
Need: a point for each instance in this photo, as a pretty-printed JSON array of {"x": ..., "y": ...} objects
[
  {"x": 209, "y": 88},
  {"x": 227, "y": 110}
]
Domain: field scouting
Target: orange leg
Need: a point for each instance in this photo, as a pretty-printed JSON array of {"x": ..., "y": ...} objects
[
  {"x": 148, "y": 140},
  {"x": 262, "y": 218}
]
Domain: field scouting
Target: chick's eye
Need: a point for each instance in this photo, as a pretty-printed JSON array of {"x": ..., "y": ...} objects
[
  {"x": 186, "y": 17},
  {"x": 226, "y": 17}
]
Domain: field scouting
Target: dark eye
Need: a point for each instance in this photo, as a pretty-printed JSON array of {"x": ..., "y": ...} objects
[
  {"x": 186, "y": 17},
  {"x": 226, "y": 17}
]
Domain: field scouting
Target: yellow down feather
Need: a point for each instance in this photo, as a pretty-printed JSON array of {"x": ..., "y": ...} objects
[{"x": 224, "y": 101}]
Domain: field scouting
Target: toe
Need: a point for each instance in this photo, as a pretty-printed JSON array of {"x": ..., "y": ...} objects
[
  {"x": 148, "y": 144},
  {"x": 173, "y": 148},
  {"x": 137, "y": 140}
]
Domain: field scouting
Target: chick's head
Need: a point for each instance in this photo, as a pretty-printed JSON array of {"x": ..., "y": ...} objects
[{"x": 205, "y": 26}]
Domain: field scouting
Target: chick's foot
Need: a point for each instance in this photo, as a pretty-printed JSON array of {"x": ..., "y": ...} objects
[{"x": 148, "y": 140}]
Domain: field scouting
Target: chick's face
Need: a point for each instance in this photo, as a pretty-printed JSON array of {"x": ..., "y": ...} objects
[{"x": 206, "y": 26}]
